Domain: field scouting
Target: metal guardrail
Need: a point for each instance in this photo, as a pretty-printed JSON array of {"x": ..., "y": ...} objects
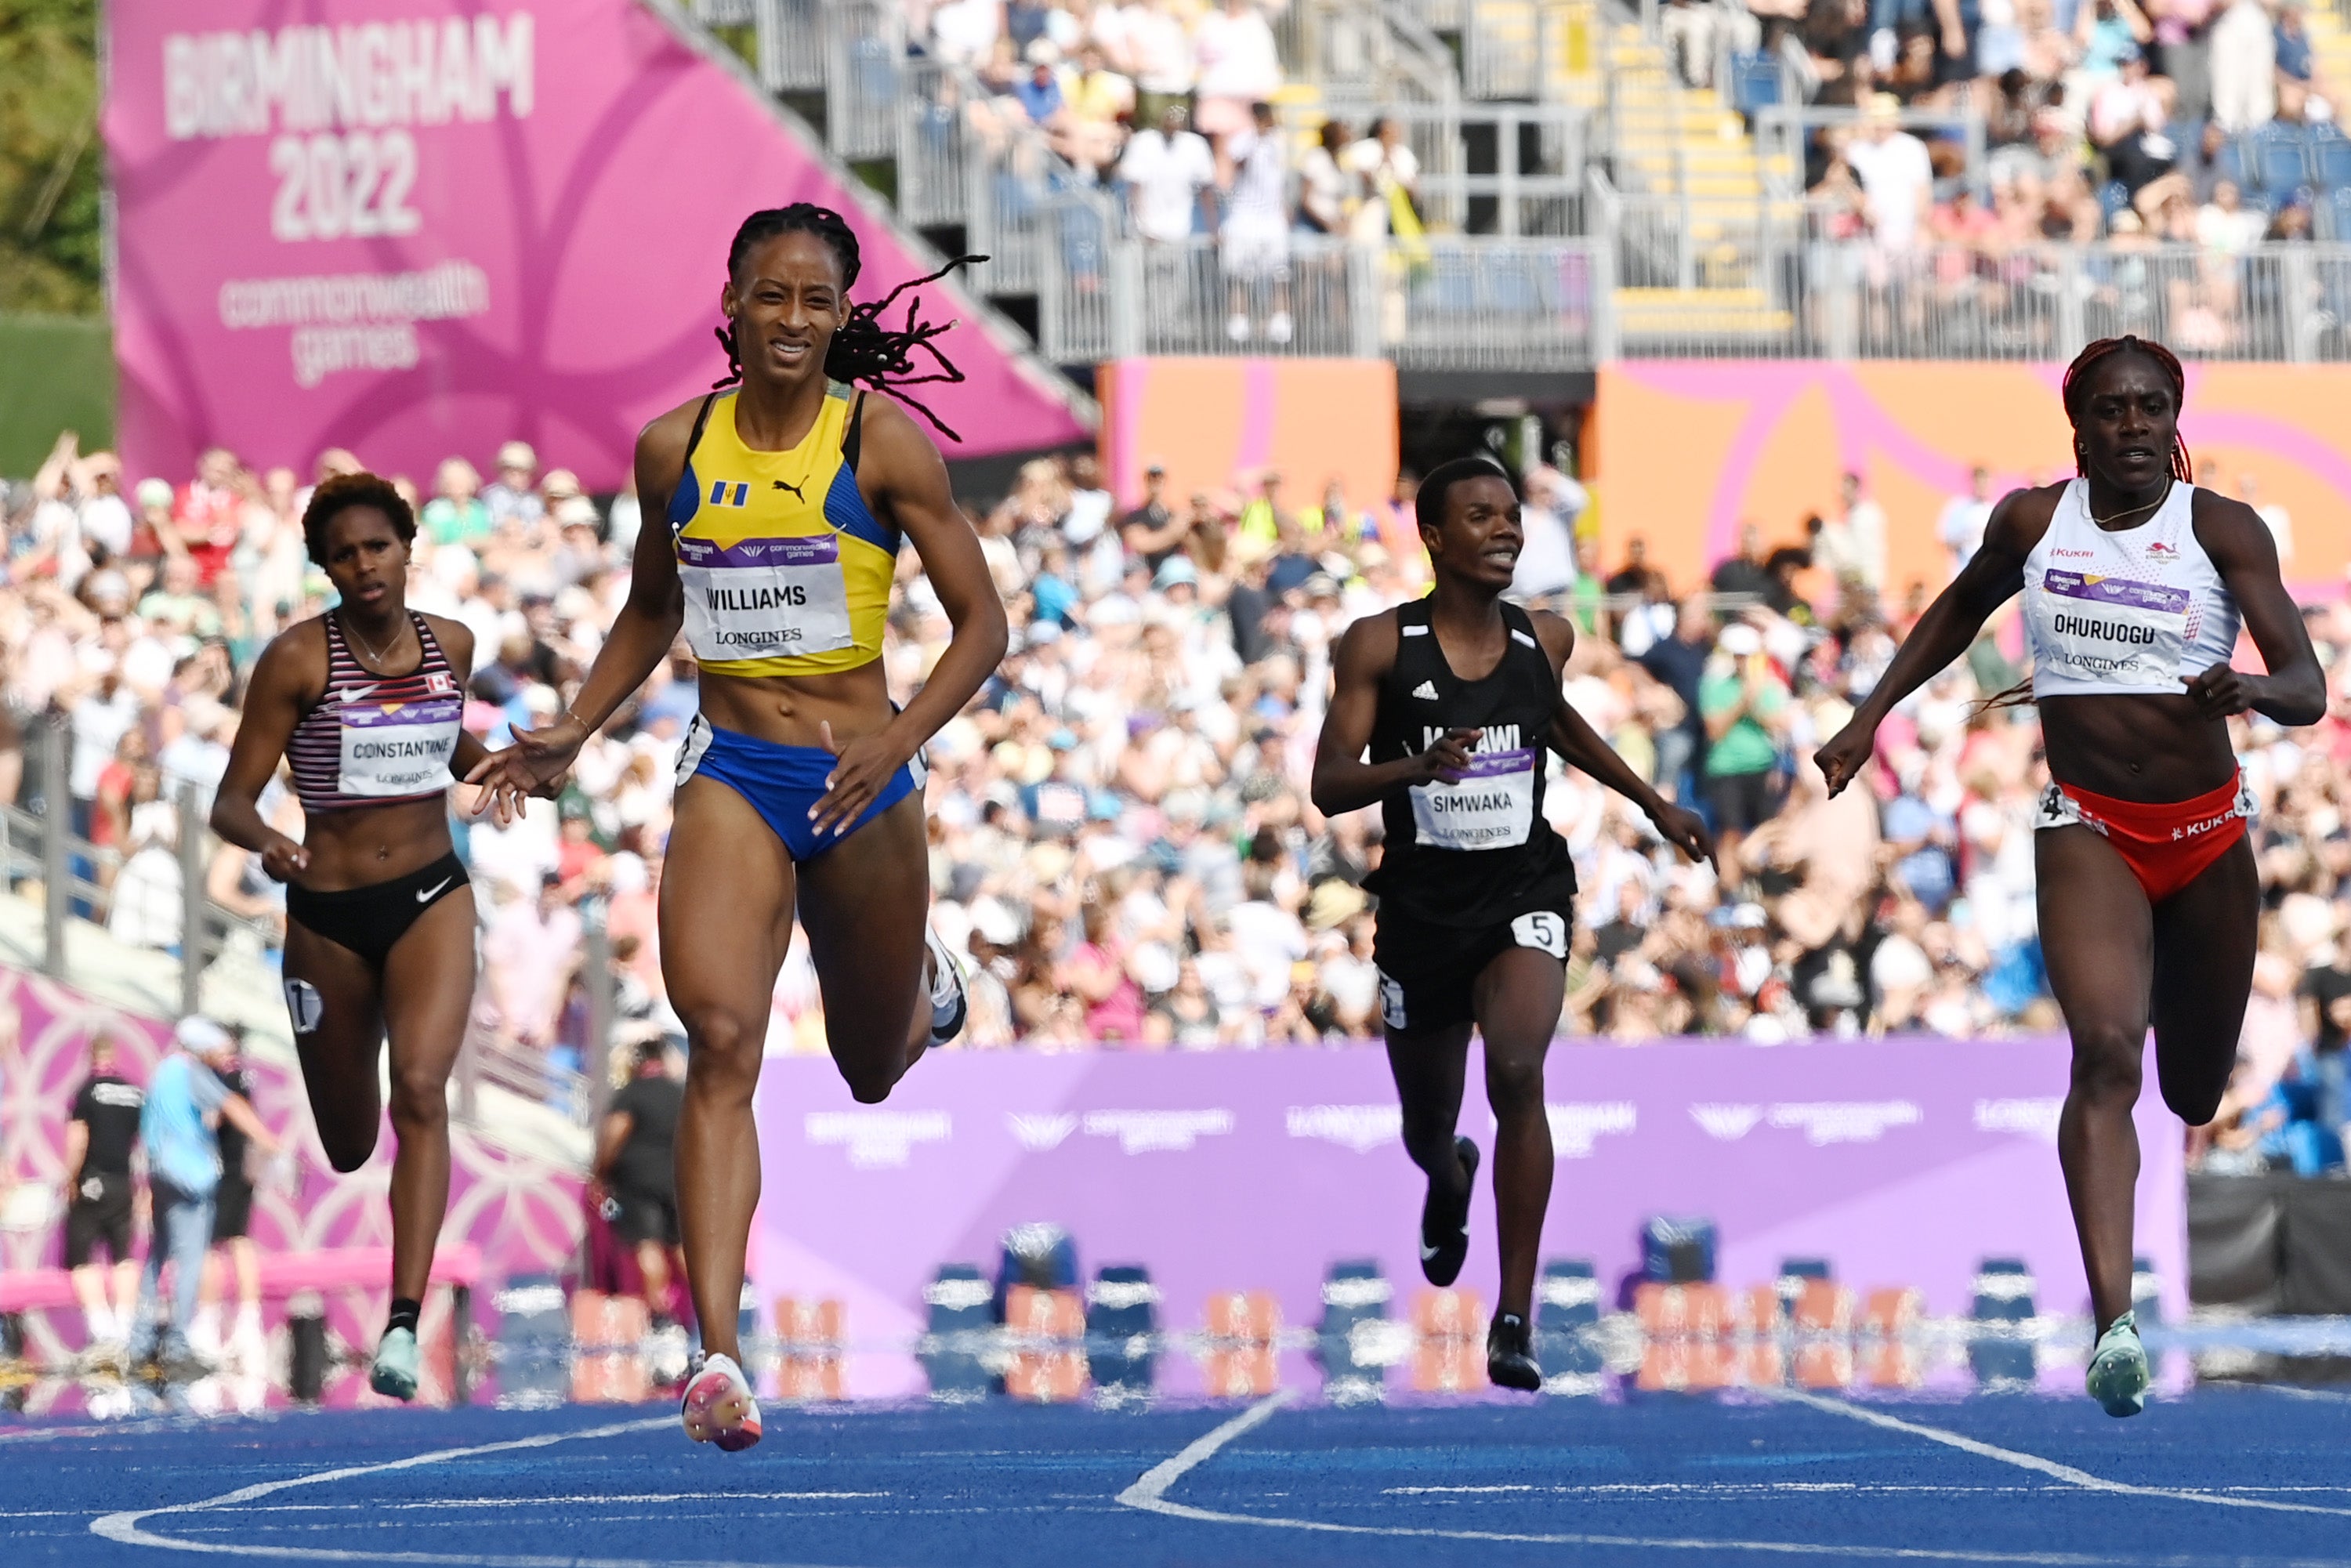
[
  {"x": 78, "y": 879},
  {"x": 1455, "y": 304}
]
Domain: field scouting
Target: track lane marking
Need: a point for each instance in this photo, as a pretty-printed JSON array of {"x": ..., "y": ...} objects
[
  {"x": 1149, "y": 1493},
  {"x": 2034, "y": 1462},
  {"x": 125, "y": 1527}
]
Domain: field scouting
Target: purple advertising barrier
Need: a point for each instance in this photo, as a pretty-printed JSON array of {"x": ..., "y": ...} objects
[
  {"x": 1900, "y": 1162},
  {"x": 417, "y": 227}
]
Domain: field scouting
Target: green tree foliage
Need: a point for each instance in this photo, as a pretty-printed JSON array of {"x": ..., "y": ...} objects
[{"x": 50, "y": 157}]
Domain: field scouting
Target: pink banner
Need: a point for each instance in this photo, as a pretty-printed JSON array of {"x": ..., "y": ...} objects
[{"x": 418, "y": 228}]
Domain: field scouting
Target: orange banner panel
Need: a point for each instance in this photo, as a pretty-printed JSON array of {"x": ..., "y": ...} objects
[
  {"x": 1687, "y": 452},
  {"x": 1219, "y": 423}
]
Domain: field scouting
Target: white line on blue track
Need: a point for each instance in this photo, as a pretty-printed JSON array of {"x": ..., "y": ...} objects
[
  {"x": 2034, "y": 1462},
  {"x": 1149, "y": 1493},
  {"x": 127, "y": 1529}
]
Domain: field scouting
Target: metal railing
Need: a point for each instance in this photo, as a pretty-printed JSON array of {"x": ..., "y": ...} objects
[
  {"x": 792, "y": 44},
  {"x": 1783, "y": 132},
  {"x": 78, "y": 880},
  {"x": 1530, "y": 158},
  {"x": 864, "y": 51},
  {"x": 1450, "y": 304}
]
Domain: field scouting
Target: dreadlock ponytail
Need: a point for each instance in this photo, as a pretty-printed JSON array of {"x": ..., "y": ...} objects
[
  {"x": 2074, "y": 389},
  {"x": 862, "y": 349}
]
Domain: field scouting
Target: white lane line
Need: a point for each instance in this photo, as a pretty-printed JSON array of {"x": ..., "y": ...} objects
[
  {"x": 1149, "y": 1493},
  {"x": 2034, "y": 1462},
  {"x": 592, "y": 1497},
  {"x": 1150, "y": 1489},
  {"x": 125, "y": 1527},
  {"x": 2324, "y": 1396}
]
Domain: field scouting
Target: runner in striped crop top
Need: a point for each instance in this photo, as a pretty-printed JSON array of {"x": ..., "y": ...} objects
[{"x": 367, "y": 703}]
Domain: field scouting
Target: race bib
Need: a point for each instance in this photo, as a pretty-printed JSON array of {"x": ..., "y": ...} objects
[
  {"x": 398, "y": 748},
  {"x": 764, "y": 598},
  {"x": 1492, "y": 808},
  {"x": 2110, "y": 629}
]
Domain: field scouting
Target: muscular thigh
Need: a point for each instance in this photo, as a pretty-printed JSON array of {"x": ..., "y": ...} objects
[
  {"x": 864, "y": 903},
  {"x": 428, "y": 986},
  {"x": 332, "y": 987},
  {"x": 2207, "y": 936},
  {"x": 726, "y": 906},
  {"x": 2097, "y": 934}
]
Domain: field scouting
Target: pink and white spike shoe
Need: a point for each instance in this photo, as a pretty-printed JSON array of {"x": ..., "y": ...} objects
[{"x": 719, "y": 1407}]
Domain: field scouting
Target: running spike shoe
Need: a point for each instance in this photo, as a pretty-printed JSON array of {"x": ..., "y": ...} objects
[
  {"x": 394, "y": 1372},
  {"x": 948, "y": 1008},
  {"x": 719, "y": 1407},
  {"x": 2119, "y": 1373},
  {"x": 1447, "y": 1221},
  {"x": 1510, "y": 1355}
]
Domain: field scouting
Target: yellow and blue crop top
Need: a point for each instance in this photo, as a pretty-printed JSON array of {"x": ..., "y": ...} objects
[{"x": 786, "y": 570}]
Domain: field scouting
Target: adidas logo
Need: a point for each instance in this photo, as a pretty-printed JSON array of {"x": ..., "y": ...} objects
[{"x": 1425, "y": 691}]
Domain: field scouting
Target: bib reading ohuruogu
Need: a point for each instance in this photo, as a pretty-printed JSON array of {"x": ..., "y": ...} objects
[{"x": 785, "y": 568}]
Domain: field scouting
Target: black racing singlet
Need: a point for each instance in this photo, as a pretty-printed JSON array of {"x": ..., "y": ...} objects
[{"x": 1477, "y": 852}]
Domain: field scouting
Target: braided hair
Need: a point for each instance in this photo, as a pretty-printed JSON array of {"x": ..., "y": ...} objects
[
  {"x": 2074, "y": 391},
  {"x": 861, "y": 350}
]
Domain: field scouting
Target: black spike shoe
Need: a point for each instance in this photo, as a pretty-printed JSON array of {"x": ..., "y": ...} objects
[{"x": 1449, "y": 1222}]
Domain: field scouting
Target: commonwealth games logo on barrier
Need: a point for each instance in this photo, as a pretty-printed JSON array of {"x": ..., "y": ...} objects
[
  {"x": 878, "y": 1140},
  {"x": 1157, "y": 1131},
  {"x": 1037, "y": 1134},
  {"x": 1362, "y": 1128}
]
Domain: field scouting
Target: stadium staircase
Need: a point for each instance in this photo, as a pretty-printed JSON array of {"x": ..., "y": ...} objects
[{"x": 1687, "y": 166}]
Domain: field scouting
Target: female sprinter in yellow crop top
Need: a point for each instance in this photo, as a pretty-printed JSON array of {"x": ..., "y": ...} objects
[{"x": 799, "y": 786}]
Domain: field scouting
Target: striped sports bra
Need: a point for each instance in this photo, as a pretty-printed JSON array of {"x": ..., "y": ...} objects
[{"x": 377, "y": 740}]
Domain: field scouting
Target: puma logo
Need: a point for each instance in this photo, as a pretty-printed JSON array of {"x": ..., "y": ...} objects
[
  {"x": 795, "y": 489},
  {"x": 428, "y": 894}
]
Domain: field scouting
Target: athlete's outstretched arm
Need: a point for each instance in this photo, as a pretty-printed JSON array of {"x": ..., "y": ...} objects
[
  {"x": 908, "y": 477},
  {"x": 274, "y": 701},
  {"x": 1343, "y": 780},
  {"x": 1993, "y": 577},
  {"x": 641, "y": 636},
  {"x": 1574, "y": 738},
  {"x": 2294, "y": 691}
]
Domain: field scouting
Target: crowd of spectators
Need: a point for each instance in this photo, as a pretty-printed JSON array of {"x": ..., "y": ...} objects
[
  {"x": 2136, "y": 121},
  {"x": 1121, "y": 836},
  {"x": 1168, "y": 105}
]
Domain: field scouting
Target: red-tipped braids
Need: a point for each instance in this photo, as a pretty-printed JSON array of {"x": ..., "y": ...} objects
[{"x": 2072, "y": 391}]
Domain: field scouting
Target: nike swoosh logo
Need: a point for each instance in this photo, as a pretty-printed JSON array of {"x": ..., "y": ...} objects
[
  {"x": 1428, "y": 1252},
  {"x": 430, "y": 893}
]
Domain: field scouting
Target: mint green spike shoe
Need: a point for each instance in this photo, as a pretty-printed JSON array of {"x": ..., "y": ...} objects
[
  {"x": 394, "y": 1372},
  {"x": 2119, "y": 1373}
]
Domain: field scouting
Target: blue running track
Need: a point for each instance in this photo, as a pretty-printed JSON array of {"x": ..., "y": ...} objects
[{"x": 2223, "y": 1476}]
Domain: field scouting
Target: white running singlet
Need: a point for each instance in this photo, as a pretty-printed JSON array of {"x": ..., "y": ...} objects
[{"x": 2133, "y": 610}]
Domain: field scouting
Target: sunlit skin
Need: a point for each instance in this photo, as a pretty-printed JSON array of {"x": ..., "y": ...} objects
[
  {"x": 420, "y": 1000},
  {"x": 2117, "y": 965},
  {"x": 730, "y": 889},
  {"x": 1473, "y": 552}
]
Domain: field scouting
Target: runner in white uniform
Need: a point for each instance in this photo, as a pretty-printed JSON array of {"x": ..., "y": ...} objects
[{"x": 2134, "y": 584}]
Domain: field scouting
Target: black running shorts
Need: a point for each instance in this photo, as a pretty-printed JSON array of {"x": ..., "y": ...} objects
[
  {"x": 100, "y": 1211},
  {"x": 232, "y": 1209},
  {"x": 1427, "y": 970},
  {"x": 645, "y": 1216}
]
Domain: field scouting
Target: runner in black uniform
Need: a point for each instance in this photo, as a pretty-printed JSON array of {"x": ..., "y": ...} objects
[{"x": 1475, "y": 886}]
